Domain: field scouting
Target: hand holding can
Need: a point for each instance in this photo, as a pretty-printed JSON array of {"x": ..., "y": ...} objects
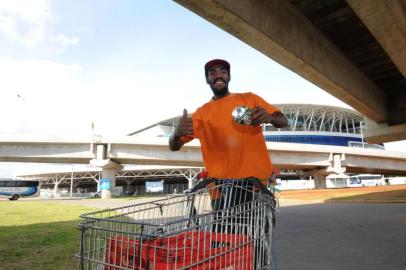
[{"x": 242, "y": 115}]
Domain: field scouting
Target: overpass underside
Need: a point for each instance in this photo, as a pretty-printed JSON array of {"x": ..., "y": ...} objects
[
  {"x": 354, "y": 49},
  {"x": 79, "y": 183}
]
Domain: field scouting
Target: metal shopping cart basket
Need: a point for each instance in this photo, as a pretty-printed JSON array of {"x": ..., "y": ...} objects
[{"x": 218, "y": 225}]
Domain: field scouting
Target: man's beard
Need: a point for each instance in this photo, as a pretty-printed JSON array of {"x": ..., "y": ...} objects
[{"x": 219, "y": 92}]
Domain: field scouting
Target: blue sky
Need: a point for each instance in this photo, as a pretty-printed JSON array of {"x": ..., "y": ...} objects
[{"x": 122, "y": 65}]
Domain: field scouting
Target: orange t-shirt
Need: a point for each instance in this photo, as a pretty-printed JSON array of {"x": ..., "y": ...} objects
[{"x": 230, "y": 150}]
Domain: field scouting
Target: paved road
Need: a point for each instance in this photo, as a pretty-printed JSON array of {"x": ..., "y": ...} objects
[{"x": 341, "y": 236}]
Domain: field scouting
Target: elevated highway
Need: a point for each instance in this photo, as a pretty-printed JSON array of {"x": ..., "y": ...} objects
[
  {"x": 353, "y": 49},
  {"x": 110, "y": 153}
]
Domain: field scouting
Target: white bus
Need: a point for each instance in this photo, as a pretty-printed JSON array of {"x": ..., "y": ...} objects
[
  {"x": 14, "y": 189},
  {"x": 366, "y": 180}
]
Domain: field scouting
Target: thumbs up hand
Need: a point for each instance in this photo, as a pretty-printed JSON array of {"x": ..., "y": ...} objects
[{"x": 185, "y": 125}]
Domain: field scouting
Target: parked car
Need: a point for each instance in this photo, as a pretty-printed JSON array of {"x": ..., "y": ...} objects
[{"x": 96, "y": 194}]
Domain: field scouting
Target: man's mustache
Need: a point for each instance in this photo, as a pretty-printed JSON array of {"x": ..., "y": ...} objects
[{"x": 219, "y": 79}]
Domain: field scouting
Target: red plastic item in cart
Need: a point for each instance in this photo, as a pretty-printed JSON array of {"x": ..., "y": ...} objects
[{"x": 195, "y": 250}]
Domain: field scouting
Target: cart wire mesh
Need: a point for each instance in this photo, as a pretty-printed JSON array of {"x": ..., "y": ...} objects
[{"x": 219, "y": 224}]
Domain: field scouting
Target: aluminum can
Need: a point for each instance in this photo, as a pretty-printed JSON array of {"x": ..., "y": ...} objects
[{"x": 242, "y": 115}]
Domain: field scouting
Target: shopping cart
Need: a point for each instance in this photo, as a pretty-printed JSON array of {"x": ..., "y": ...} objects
[{"x": 218, "y": 225}]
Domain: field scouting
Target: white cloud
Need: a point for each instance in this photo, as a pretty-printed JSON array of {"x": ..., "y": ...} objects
[
  {"x": 30, "y": 10},
  {"x": 65, "y": 40},
  {"x": 7, "y": 25},
  {"x": 25, "y": 22},
  {"x": 29, "y": 22}
]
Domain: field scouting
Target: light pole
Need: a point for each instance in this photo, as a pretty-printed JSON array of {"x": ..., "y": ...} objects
[
  {"x": 22, "y": 111},
  {"x": 92, "y": 131},
  {"x": 362, "y": 135}
]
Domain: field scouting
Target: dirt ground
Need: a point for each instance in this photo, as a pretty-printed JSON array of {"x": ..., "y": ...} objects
[{"x": 394, "y": 194}]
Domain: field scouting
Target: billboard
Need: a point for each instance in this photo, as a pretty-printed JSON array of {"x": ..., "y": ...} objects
[{"x": 104, "y": 184}]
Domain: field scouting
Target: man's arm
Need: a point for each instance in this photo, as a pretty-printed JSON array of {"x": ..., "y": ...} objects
[
  {"x": 184, "y": 127},
  {"x": 279, "y": 120},
  {"x": 261, "y": 116}
]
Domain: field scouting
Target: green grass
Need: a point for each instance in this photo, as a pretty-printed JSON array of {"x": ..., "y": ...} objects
[{"x": 39, "y": 235}]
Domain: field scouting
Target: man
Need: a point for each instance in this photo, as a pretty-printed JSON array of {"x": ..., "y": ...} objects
[
  {"x": 234, "y": 154},
  {"x": 230, "y": 150}
]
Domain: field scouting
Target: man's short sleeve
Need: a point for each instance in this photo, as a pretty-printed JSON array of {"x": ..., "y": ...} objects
[
  {"x": 186, "y": 138},
  {"x": 262, "y": 103}
]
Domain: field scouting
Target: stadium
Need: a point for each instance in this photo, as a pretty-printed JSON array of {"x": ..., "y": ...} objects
[{"x": 308, "y": 124}]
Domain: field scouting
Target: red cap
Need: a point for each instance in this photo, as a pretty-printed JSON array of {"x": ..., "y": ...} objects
[{"x": 216, "y": 62}]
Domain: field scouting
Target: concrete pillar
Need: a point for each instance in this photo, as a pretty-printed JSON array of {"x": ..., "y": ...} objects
[
  {"x": 98, "y": 180},
  {"x": 71, "y": 188},
  {"x": 108, "y": 173},
  {"x": 191, "y": 176},
  {"x": 109, "y": 168},
  {"x": 71, "y": 184},
  {"x": 336, "y": 163},
  {"x": 56, "y": 188},
  {"x": 319, "y": 181},
  {"x": 56, "y": 184}
]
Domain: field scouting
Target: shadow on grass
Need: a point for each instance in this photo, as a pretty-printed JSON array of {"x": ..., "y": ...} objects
[
  {"x": 40, "y": 246},
  {"x": 394, "y": 196}
]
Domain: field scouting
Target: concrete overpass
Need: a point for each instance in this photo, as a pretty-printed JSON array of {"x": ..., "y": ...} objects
[
  {"x": 109, "y": 154},
  {"x": 354, "y": 49}
]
